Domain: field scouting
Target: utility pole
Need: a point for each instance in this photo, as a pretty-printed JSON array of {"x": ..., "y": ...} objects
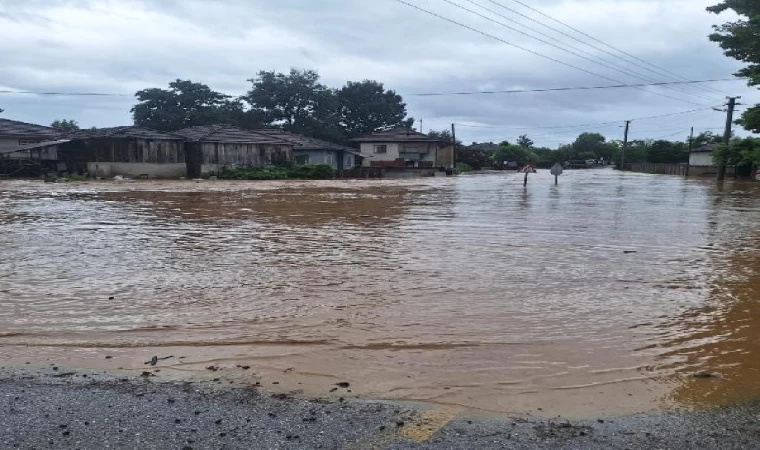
[
  {"x": 691, "y": 143},
  {"x": 421, "y": 129},
  {"x": 727, "y": 135},
  {"x": 625, "y": 145},
  {"x": 453, "y": 147}
]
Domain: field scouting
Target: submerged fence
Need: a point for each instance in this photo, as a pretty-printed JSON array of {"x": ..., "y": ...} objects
[{"x": 667, "y": 169}]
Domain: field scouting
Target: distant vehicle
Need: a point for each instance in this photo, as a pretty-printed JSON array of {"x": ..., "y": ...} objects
[{"x": 585, "y": 163}]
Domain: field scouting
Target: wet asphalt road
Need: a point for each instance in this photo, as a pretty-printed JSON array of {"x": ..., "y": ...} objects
[{"x": 47, "y": 409}]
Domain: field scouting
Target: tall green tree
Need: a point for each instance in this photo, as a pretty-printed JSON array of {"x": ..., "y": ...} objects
[
  {"x": 667, "y": 152},
  {"x": 514, "y": 153},
  {"x": 445, "y": 137},
  {"x": 366, "y": 106},
  {"x": 739, "y": 40},
  {"x": 296, "y": 101},
  {"x": 65, "y": 125},
  {"x": 524, "y": 141},
  {"x": 184, "y": 104}
]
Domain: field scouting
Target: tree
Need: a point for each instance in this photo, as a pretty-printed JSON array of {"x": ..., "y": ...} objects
[
  {"x": 514, "y": 153},
  {"x": 297, "y": 101},
  {"x": 366, "y": 106},
  {"x": 524, "y": 142},
  {"x": 739, "y": 41},
  {"x": 667, "y": 152},
  {"x": 185, "y": 104},
  {"x": 705, "y": 138},
  {"x": 445, "y": 137},
  {"x": 592, "y": 146},
  {"x": 65, "y": 125},
  {"x": 739, "y": 152}
]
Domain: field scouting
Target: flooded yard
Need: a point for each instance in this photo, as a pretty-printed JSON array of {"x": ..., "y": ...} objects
[{"x": 600, "y": 296}]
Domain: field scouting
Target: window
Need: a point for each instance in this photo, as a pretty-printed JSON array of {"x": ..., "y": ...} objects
[
  {"x": 328, "y": 159},
  {"x": 302, "y": 160},
  {"x": 349, "y": 161},
  {"x": 381, "y": 149},
  {"x": 29, "y": 141}
]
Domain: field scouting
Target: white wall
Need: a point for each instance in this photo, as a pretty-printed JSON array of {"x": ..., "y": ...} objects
[
  {"x": 701, "y": 159},
  {"x": 368, "y": 152},
  {"x": 153, "y": 170}
]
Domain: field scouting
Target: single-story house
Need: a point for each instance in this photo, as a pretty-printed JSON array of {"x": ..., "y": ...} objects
[
  {"x": 702, "y": 156},
  {"x": 402, "y": 147},
  {"x": 701, "y": 162},
  {"x": 130, "y": 150},
  {"x": 308, "y": 150},
  {"x": 15, "y": 134},
  {"x": 25, "y": 148},
  {"x": 210, "y": 148}
]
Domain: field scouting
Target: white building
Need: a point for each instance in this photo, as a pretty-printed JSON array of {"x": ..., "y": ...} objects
[
  {"x": 401, "y": 147},
  {"x": 702, "y": 156}
]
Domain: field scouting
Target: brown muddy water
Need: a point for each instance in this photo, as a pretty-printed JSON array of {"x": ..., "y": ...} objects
[{"x": 597, "y": 297}]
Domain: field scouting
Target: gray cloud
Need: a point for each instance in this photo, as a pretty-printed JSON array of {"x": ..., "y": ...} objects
[{"x": 124, "y": 46}]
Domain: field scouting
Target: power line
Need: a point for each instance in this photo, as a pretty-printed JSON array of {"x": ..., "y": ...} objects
[
  {"x": 529, "y": 50},
  {"x": 87, "y": 94},
  {"x": 593, "y": 58},
  {"x": 589, "y": 124},
  {"x": 576, "y": 88},
  {"x": 673, "y": 74}
]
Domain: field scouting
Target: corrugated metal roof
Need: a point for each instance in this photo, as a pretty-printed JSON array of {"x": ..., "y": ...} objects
[
  {"x": 127, "y": 132},
  {"x": 302, "y": 142},
  {"x": 396, "y": 135},
  {"x": 227, "y": 133},
  {"x": 15, "y": 128},
  {"x": 705, "y": 148}
]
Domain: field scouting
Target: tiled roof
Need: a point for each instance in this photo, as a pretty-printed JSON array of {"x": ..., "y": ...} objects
[
  {"x": 396, "y": 135},
  {"x": 126, "y": 132},
  {"x": 302, "y": 142},
  {"x": 15, "y": 128},
  {"x": 227, "y": 133}
]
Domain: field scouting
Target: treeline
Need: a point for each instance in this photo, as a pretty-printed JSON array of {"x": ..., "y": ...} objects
[
  {"x": 296, "y": 101},
  {"x": 594, "y": 146}
]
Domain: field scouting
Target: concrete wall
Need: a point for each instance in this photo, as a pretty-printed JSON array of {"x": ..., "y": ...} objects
[
  {"x": 368, "y": 152},
  {"x": 701, "y": 159},
  {"x": 413, "y": 151},
  {"x": 329, "y": 157},
  {"x": 133, "y": 170}
]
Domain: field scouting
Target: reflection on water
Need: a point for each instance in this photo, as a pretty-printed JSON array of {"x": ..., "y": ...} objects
[{"x": 599, "y": 294}]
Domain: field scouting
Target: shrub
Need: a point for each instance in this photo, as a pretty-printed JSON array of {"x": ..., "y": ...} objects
[{"x": 317, "y": 172}]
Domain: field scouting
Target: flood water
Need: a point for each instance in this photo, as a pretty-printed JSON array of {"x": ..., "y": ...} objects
[{"x": 596, "y": 297}]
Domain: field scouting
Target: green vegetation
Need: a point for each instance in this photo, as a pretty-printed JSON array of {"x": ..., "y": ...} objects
[
  {"x": 295, "y": 101},
  {"x": 315, "y": 172},
  {"x": 739, "y": 41},
  {"x": 742, "y": 153},
  {"x": 65, "y": 125},
  {"x": 463, "y": 168}
]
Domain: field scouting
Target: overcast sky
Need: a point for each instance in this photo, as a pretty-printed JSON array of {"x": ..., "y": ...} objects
[{"x": 123, "y": 46}]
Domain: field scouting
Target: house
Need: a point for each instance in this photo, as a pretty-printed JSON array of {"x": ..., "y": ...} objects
[
  {"x": 25, "y": 148},
  {"x": 16, "y": 134},
  {"x": 211, "y": 148},
  {"x": 404, "y": 148},
  {"x": 130, "y": 150},
  {"x": 307, "y": 150},
  {"x": 702, "y": 156},
  {"x": 701, "y": 162}
]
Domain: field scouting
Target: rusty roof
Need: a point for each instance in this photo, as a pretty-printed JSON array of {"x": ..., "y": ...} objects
[
  {"x": 302, "y": 142},
  {"x": 707, "y": 148},
  {"x": 126, "y": 132},
  {"x": 396, "y": 135},
  {"x": 16, "y": 129},
  {"x": 227, "y": 133}
]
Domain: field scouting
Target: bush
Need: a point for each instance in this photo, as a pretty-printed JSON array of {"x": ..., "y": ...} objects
[
  {"x": 463, "y": 167},
  {"x": 317, "y": 172}
]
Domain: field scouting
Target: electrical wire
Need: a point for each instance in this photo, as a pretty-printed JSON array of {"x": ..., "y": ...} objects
[
  {"x": 673, "y": 74},
  {"x": 577, "y": 88},
  {"x": 593, "y": 58},
  {"x": 533, "y": 51}
]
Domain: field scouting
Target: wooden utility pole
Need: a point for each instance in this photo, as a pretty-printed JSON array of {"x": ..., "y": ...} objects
[
  {"x": 691, "y": 143},
  {"x": 421, "y": 129},
  {"x": 453, "y": 147},
  {"x": 727, "y": 135},
  {"x": 625, "y": 145}
]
